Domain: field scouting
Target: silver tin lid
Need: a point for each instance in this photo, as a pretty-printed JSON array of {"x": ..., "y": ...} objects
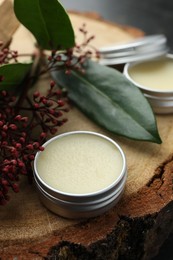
[{"x": 145, "y": 48}]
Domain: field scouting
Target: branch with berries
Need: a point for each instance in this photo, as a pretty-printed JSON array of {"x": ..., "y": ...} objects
[
  {"x": 21, "y": 135},
  {"x": 29, "y": 117}
]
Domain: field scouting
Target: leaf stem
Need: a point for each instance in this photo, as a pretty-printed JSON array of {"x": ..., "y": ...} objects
[{"x": 30, "y": 79}]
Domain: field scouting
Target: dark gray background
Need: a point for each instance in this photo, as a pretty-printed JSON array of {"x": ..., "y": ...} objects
[{"x": 153, "y": 17}]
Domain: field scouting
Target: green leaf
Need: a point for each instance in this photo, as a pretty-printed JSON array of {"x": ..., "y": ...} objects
[
  {"x": 47, "y": 21},
  {"x": 107, "y": 97},
  {"x": 13, "y": 75}
]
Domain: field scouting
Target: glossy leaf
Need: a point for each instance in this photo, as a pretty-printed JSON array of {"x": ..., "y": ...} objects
[
  {"x": 47, "y": 21},
  {"x": 13, "y": 75},
  {"x": 108, "y": 98}
]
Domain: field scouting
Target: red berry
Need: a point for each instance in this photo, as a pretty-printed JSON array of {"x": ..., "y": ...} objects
[
  {"x": 60, "y": 103},
  {"x": 13, "y": 126},
  {"x": 52, "y": 84},
  {"x": 15, "y": 187},
  {"x": 43, "y": 135},
  {"x": 18, "y": 117},
  {"x": 30, "y": 147},
  {"x": 36, "y": 105},
  {"x": 36, "y": 94}
]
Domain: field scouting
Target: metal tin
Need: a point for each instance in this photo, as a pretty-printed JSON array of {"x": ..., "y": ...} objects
[
  {"x": 160, "y": 100},
  {"x": 145, "y": 48},
  {"x": 81, "y": 205}
]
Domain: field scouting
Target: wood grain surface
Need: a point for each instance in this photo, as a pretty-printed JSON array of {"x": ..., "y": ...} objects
[
  {"x": 9, "y": 23},
  {"x": 135, "y": 228}
]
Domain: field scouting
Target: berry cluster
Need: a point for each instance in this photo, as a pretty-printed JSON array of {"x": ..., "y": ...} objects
[
  {"x": 22, "y": 136},
  {"x": 49, "y": 109},
  {"x": 74, "y": 58},
  {"x": 7, "y": 55},
  {"x": 19, "y": 141}
]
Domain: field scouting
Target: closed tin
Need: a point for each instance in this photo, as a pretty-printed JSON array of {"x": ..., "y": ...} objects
[
  {"x": 84, "y": 205},
  {"x": 145, "y": 48},
  {"x": 161, "y": 98}
]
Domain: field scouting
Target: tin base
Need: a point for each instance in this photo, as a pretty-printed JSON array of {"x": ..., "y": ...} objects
[
  {"x": 160, "y": 105},
  {"x": 85, "y": 212}
]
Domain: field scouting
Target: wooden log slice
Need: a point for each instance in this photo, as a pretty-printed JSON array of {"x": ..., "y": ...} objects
[{"x": 134, "y": 229}]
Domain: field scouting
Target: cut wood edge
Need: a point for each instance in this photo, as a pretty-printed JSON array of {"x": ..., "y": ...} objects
[
  {"x": 124, "y": 230},
  {"x": 135, "y": 32},
  {"x": 9, "y": 24},
  {"x": 128, "y": 229}
]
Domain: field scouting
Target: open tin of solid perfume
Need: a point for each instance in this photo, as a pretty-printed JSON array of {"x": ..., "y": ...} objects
[
  {"x": 155, "y": 79},
  {"x": 148, "y": 66},
  {"x": 80, "y": 174}
]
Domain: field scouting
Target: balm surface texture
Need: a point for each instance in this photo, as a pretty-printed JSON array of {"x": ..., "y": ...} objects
[
  {"x": 79, "y": 163},
  {"x": 156, "y": 74}
]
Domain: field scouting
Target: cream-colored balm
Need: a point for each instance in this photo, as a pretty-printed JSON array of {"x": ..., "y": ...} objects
[
  {"x": 80, "y": 163},
  {"x": 156, "y": 74}
]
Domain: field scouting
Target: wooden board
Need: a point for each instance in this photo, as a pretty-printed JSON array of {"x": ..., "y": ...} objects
[
  {"x": 9, "y": 23},
  {"x": 135, "y": 228}
]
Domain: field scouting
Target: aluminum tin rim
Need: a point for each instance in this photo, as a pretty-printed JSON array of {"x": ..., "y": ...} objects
[
  {"x": 123, "y": 171},
  {"x": 160, "y": 98},
  {"x": 80, "y": 202},
  {"x": 70, "y": 207},
  {"x": 72, "y": 214},
  {"x": 141, "y": 42},
  {"x": 130, "y": 59},
  {"x": 160, "y": 101},
  {"x": 145, "y": 48},
  {"x": 74, "y": 199}
]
